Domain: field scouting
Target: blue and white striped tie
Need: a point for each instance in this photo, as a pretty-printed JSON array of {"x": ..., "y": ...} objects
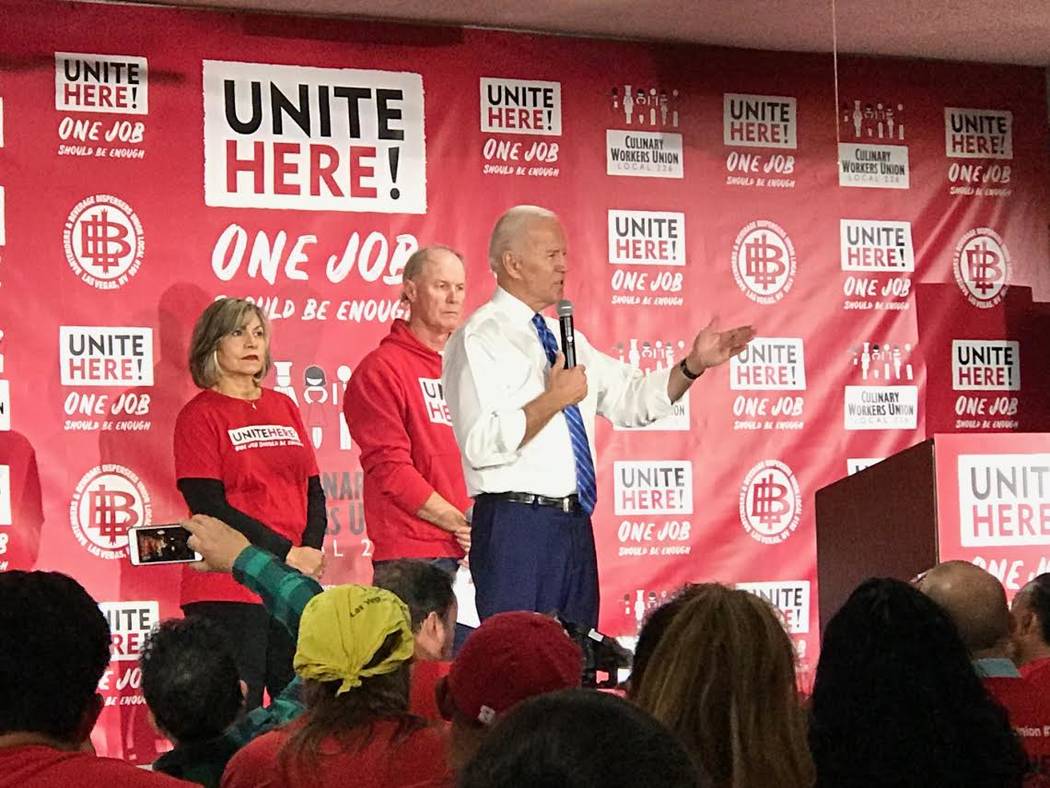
[{"x": 581, "y": 448}]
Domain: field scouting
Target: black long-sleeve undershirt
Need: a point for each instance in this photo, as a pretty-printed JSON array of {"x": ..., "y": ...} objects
[{"x": 208, "y": 496}]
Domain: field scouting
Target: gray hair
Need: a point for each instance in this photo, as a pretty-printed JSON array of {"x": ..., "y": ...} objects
[
  {"x": 220, "y": 318},
  {"x": 420, "y": 257},
  {"x": 509, "y": 228}
]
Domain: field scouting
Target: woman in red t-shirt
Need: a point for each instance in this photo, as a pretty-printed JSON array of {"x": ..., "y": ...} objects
[{"x": 242, "y": 455}]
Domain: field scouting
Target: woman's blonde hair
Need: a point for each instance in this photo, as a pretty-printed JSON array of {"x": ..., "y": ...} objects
[
  {"x": 722, "y": 677},
  {"x": 222, "y": 317}
]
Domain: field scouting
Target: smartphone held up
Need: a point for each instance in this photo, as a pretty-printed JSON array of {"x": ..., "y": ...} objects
[{"x": 161, "y": 544}]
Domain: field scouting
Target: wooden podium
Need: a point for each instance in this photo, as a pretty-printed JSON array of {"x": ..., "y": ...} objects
[{"x": 983, "y": 498}]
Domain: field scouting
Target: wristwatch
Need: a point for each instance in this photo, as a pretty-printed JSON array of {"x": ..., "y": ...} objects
[{"x": 687, "y": 372}]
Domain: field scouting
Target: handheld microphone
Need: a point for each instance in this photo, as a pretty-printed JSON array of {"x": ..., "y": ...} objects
[{"x": 568, "y": 341}]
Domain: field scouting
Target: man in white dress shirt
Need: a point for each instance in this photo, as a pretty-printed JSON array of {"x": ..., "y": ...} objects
[{"x": 525, "y": 424}]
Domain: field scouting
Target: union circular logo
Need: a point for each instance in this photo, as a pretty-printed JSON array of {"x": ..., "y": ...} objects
[
  {"x": 108, "y": 500},
  {"x": 770, "y": 502},
  {"x": 103, "y": 241},
  {"x": 982, "y": 267},
  {"x": 764, "y": 262}
]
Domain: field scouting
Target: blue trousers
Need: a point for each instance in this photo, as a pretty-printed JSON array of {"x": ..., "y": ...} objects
[{"x": 531, "y": 557}]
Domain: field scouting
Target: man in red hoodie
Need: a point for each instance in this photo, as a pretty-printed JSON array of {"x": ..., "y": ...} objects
[{"x": 414, "y": 494}]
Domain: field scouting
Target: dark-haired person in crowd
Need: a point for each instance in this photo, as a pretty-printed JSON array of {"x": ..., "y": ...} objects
[
  {"x": 581, "y": 739},
  {"x": 722, "y": 677},
  {"x": 510, "y": 657},
  {"x": 189, "y": 671},
  {"x": 1031, "y": 610},
  {"x": 415, "y": 498},
  {"x": 242, "y": 455},
  {"x": 427, "y": 591},
  {"x": 54, "y": 648},
  {"x": 896, "y": 701},
  {"x": 976, "y": 602},
  {"x": 355, "y": 647}
]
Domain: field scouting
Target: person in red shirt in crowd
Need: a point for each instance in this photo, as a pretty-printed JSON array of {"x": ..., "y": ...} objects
[
  {"x": 414, "y": 495},
  {"x": 427, "y": 591},
  {"x": 55, "y": 648},
  {"x": 976, "y": 602},
  {"x": 355, "y": 647},
  {"x": 243, "y": 456},
  {"x": 510, "y": 657},
  {"x": 1031, "y": 610}
]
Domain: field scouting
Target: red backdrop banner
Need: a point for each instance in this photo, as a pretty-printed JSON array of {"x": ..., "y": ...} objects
[{"x": 153, "y": 159}]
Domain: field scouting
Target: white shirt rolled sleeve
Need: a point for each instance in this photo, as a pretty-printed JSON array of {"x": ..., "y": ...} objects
[{"x": 494, "y": 365}]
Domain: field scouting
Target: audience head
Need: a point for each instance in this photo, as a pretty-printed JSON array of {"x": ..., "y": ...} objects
[
  {"x": 427, "y": 590},
  {"x": 653, "y": 629},
  {"x": 190, "y": 680},
  {"x": 509, "y": 658},
  {"x": 54, "y": 648},
  {"x": 353, "y": 654},
  {"x": 722, "y": 677},
  {"x": 579, "y": 739},
  {"x": 896, "y": 698},
  {"x": 1031, "y": 611},
  {"x": 976, "y": 602}
]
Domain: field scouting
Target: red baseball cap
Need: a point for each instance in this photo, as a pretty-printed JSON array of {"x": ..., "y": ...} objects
[{"x": 511, "y": 657}]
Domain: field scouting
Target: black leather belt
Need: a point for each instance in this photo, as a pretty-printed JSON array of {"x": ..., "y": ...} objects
[{"x": 568, "y": 504}]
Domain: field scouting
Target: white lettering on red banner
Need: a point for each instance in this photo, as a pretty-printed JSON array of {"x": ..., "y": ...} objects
[
  {"x": 116, "y": 84},
  {"x": 790, "y": 597},
  {"x": 769, "y": 364},
  {"x": 764, "y": 262},
  {"x": 261, "y": 436},
  {"x": 646, "y": 238},
  {"x": 873, "y": 166},
  {"x": 770, "y": 502},
  {"x": 653, "y": 487},
  {"x": 644, "y": 154},
  {"x": 103, "y": 241},
  {"x": 1004, "y": 499},
  {"x": 434, "y": 401},
  {"x": 129, "y": 625},
  {"x": 107, "y": 501},
  {"x": 304, "y": 138},
  {"x": 876, "y": 245},
  {"x": 881, "y": 407},
  {"x": 105, "y": 356},
  {"x": 986, "y": 365},
  {"x": 981, "y": 264},
  {"x": 978, "y": 133},
  {"x": 5, "y": 495},
  {"x": 759, "y": 121},
  {"x": 517, "y": 106},
  {"x": 5, "y": 405}
]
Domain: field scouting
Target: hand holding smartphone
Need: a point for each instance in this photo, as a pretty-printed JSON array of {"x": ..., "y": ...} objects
[{"x": 161, "y": 544}]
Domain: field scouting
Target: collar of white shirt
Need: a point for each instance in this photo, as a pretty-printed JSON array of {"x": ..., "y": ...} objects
[{"x": 512, "y": 306}]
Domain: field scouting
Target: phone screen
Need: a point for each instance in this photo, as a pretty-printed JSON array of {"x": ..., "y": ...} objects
[{"x": 163, "y": 544}]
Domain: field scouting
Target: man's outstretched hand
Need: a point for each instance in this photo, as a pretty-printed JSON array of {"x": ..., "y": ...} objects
[{"x": 713, "y": 347}]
